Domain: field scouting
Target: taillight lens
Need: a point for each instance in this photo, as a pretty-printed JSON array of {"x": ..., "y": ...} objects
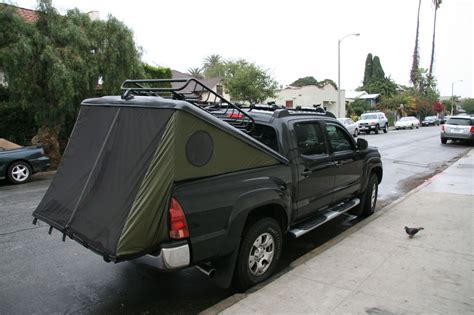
[
  {"x": 235, "y": 115},
  {"x": 442, "y": 128},
  {"x": 178, "y": 225},
  {"x": 472, "y": 129}
]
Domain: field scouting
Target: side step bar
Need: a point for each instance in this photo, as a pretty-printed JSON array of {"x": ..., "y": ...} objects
[{"x": 328, "y": 215}]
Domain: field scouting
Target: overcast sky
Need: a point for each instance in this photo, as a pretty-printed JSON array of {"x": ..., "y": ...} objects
[{"x": 296, "y": 38}]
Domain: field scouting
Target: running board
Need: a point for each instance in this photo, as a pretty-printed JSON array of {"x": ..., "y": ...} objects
[{"x": 328, "y": 215}]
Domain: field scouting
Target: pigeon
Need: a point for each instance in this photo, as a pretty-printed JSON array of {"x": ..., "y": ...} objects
[{"x": 412, "y": 231}]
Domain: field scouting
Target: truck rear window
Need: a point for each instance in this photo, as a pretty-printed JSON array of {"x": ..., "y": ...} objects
[{"x": 266, "y": 135}]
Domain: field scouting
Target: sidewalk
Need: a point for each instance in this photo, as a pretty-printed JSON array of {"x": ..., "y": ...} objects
[{"x": 379, "y": 270}]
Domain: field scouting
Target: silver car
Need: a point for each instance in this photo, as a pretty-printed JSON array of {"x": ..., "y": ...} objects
[
  {"x": 458, "y": 128},
  {"x": 350, "y": 125}
]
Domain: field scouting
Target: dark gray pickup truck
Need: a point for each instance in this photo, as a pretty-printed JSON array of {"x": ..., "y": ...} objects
[{"x": 180, "y": 182}]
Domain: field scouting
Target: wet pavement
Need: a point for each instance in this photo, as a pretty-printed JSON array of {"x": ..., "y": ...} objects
[{"x": 41, "y": 274}]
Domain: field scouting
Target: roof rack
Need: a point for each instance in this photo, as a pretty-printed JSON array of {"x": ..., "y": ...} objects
[
  {"x": 194, "y": 92},
  {"x": 281, "y": 111}
]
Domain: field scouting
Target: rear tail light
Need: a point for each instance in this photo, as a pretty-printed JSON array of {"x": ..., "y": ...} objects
[
  {"x": 442, "y": 128},
  {"x": 178, "y": 225},
  {"x": 472, "y": 129},
  {"x": 235, "y": 115}
]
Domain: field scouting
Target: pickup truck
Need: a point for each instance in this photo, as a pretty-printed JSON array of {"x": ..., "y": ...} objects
[{"x": 180, "y": 183}]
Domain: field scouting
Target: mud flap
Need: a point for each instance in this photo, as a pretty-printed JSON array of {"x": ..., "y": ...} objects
[{"x": 225, "y": 268}]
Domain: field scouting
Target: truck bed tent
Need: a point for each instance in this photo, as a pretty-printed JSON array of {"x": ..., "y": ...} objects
[{"x": 113, "y": 187}]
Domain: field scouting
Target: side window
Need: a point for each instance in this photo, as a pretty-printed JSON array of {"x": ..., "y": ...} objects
[
  {"x": 266, "y": 135},
  {"x": 338, "y": 138},
  {"x": 309, "y": 138}
]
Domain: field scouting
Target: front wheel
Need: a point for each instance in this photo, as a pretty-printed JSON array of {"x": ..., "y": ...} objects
[
  {"x": 259, "y": 253},
  {"x": 377, "y": 129},
  {"x": 356, "y": 133},
  {"x": 411, "y": 126},
  {"x": 368, "y": 199},
  {"x": 19, "y": 172}
]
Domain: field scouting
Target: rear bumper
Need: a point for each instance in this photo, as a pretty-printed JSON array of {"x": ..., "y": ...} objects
[
  {"x": 461, "y": 136},
  {"x": 171, "y": 256}
]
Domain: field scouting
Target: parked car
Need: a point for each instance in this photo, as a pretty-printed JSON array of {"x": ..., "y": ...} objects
[
  {"x": 350, "y": 125},
  {"x": 184, "y": 188},
  {"x": 458, "y": 128},
  {"x": 430, "y": 121},
  {"x": 17, "y": 165},
  {"x": 374, "y": 121},
  {"x": 407, "y": 122}
]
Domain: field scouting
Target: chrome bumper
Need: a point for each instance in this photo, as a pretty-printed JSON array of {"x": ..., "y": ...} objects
[{"x": 170, "y": 258}]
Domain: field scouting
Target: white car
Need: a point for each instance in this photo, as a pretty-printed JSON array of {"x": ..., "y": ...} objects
[
  {"x": 407, "y": 122},
  {"x": 350, "y": 125},
  {"x": 374, "y": 121}
]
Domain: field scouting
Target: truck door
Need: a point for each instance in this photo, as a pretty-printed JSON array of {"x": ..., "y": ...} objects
[
  {"x": 348, "y": 162},
  {"x": 315, "y": 169}
]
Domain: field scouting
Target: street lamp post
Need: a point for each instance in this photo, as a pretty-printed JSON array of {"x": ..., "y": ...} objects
[
  {"x": 452, "y": 95},
  {"x": 339, "y": 72}
]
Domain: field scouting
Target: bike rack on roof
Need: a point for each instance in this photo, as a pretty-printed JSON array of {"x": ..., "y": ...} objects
[{"x": 194, "y": 92}]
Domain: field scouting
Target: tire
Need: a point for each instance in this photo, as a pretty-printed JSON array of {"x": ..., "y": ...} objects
[
  {"x": 356, "y": 133},
  {"x": 249, "y": 273},
  {"x": 368, "y": 199},
  {"x": 385, "y": 129},
  {"x": 377, "y": 129},
  {"x": 444, "y": 140},
  {"x": 19, "y": 172}
]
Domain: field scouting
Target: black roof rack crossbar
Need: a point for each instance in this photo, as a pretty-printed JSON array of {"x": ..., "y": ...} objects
[{"x": 192, "y": 91}]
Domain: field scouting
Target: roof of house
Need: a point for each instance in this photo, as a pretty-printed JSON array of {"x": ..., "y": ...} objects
[
  {"x": 26, "y": 14},
  {"x": 211, "y": 83},
  {"x": 360, "y": 95}
]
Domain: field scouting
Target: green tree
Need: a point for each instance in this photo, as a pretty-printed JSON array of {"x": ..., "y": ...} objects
[
  {"x": 368, "y": 69},
  {"x": 214, "y": 66},
  {"x": 468, "y": 105},
  {"x": 310, "y": 80},
  {"x": 437, "y": 4},
  {"x": 416, "y": 54},
  {"x": 196, "y": 72},
  {"x": 377, "y": 70},
  {"x": 53, "y": 64},
  {"x": 246, "y": 81}
]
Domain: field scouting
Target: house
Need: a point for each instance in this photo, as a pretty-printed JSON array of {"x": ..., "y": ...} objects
[
  {"x": 215, "y": 84},
  {"x": 311, "y": 95},
  {"x": 353, "y": 95}
]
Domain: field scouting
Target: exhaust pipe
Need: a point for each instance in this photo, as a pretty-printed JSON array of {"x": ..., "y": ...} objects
[{"x": 207, "y": 270}]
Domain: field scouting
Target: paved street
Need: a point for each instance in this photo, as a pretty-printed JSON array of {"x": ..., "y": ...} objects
[{"x": 41, "y": 274}]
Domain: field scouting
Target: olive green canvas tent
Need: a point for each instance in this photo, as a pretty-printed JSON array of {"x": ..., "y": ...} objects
[{"x": 114, "y": 183}]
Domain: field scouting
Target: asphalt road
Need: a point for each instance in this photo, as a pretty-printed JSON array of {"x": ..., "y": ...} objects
[{"x": 41, "y": 274}]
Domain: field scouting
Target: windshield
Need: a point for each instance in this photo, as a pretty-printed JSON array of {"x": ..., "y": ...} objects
[
  {"x": 405, "y": 119},
  {"x": 369, "y": 116},
  {"x": 430, "y": 118},
  {"x": 460, "y": 121}
]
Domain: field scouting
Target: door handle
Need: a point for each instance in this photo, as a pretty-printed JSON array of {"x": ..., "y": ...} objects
[{"x": 306, "y": 173}]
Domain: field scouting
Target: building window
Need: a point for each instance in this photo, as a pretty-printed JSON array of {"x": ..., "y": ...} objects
[{"x": 219, "y": 89}]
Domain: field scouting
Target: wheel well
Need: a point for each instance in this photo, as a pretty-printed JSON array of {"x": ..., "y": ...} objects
[
  {"x": 272, "y": 210},
  {"x": 378, "y": 171},
  {"x": 19, "y": 160}
]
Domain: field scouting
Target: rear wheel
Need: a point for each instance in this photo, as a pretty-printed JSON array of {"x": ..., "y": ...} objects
[
  {"x": 259, "y": 253},
  {"x": 385, "y": 129},
  {"x": 368, "y": 199},
  {"x": 19, "y": 172},
  {"x": 444, "y": 140},
  {"x": 411, "y": 126}
]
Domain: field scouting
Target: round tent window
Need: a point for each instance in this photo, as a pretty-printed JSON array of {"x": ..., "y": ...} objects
[{"x": 199, "y": 148}]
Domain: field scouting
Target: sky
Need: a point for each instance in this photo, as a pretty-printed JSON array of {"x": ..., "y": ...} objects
[{"x": 293, "y": 39}]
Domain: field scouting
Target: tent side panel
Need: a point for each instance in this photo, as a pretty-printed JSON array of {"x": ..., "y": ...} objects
[
  {"x": 204, "y": 150},
  {"x": 119, "y": 172},
  {"x": 85, "y": 142},
  {"x": 146, "y": 224}
]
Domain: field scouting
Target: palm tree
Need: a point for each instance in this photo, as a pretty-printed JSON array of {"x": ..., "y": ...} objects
[
  {"x": 213, "y": 66},
  {"x": 196, "y": 72},
  {"x": 212, "y": 60},
  {"x": 436, "y": 3},
  {"x": 414, "y": 66}
]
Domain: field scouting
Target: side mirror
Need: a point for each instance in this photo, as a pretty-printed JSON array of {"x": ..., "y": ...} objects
[{"x": 362, "y": 144}]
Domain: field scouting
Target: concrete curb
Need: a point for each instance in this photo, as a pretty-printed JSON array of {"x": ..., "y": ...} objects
[{"x": 224, "y": 304}]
